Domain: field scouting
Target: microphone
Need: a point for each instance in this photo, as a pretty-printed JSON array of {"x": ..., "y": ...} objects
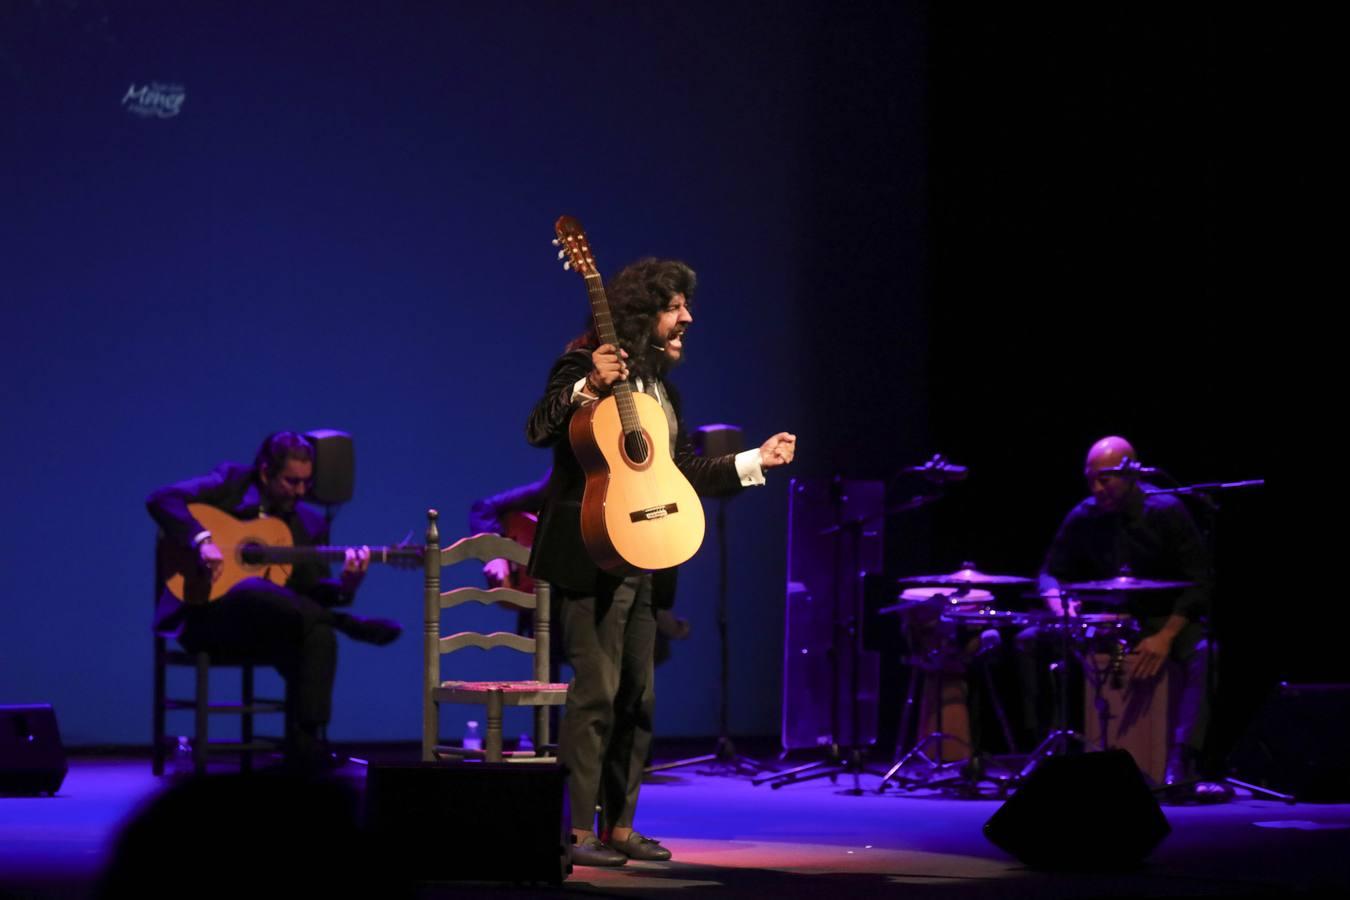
[
  {"x": 1130, "y": 468},
  {"x": 938, "y": 469}
]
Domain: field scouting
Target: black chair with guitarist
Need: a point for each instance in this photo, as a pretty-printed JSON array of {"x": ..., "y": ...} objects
[
  {"x": 201, "y": 662},
  {"x": 245, "y": 579}
]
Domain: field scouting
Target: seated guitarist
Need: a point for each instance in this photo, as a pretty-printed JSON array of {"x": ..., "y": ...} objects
[
  {"x": 290, "y": 627},
  {"x": 608, "y": 622}
]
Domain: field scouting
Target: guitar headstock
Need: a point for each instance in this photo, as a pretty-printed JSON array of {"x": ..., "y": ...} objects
[{"x": 576, "y": 249}]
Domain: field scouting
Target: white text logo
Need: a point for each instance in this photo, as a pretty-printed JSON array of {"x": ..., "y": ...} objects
[{"x": 155, "y": 100}]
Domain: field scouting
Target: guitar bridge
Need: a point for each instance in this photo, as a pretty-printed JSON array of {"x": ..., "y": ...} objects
[{"x": 654, "y": 512}]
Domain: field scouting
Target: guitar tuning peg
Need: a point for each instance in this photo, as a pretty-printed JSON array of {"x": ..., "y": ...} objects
[
  {"x": 562, "y": 254},
  {"x": 567, "y": 267},
  {"x": 555, "y": 243}
]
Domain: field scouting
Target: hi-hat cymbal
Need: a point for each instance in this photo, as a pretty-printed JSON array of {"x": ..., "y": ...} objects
[
  {"x": 963, "y": 577},
  {"x": 1123, "y": 583}
]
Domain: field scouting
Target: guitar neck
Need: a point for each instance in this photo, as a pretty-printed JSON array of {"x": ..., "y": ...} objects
[
  {"x": 256, "y": 554},
  {"x": 604, "y": 329}
]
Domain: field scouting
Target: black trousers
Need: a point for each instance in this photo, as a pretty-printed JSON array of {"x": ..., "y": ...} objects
[
  {"x": 277, "y": 626},
  {"x": 607, "y": 728}
]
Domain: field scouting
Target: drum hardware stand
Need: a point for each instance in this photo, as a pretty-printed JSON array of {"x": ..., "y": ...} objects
[
  {"x": 929, "y": 666},
  {"x": 971, "y": 770},
  {"x": 1060, "y": 739}
]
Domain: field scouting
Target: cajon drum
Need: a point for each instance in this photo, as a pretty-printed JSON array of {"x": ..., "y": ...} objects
[{"x": 1136, "y": 712}]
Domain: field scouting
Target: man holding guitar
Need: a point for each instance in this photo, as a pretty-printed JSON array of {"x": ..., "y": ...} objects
[
  {"x": 290, "y": 624},
  {"x": 607, "y": 617}
]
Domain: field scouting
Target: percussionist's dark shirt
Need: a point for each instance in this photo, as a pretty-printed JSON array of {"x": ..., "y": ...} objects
[{"x": 1154, "y": 537}]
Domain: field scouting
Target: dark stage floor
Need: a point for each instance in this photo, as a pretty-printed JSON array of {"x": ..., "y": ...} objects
[{"x": 734, "y": 839}]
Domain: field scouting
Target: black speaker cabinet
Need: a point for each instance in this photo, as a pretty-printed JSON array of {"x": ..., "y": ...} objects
[
  {"x": 334, "y": 466},
  {"x": 32, "y": 760},
  {"x": 1087, "y": 811},
  {"x": 471, "y": 821}
]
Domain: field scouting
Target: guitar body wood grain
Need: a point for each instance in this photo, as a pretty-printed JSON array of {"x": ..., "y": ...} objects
[
  {"x": 635, "y": 516},
  {"x": 229, "y": 534}
]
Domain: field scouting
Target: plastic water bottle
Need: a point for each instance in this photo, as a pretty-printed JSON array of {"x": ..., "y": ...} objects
[{"x": 472, "y": 739}]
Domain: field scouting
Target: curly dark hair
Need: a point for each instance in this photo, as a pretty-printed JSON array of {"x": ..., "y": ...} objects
[{"x": 636, "y": 295}]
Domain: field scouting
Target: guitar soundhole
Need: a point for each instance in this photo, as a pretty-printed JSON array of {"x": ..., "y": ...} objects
[
  {"x": 637, "y": 448},
  {"x": 251, "y": 554}
]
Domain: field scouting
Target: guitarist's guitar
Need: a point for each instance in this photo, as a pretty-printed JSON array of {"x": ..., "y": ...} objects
[
  {"x": 638, "y": 511},
  {"x": 253, "y": 548}
]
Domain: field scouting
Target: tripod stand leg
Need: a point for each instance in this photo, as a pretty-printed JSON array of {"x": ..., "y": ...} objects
[
  {"x": 1263, "y": 791},
  {"x": 1055, "y": 742},
  {"x": 681, "y": 763},
  {"x": 791, "y": 774}
]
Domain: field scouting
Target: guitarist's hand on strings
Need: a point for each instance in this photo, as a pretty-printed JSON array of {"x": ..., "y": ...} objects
[
  {"x": 778, "y": 450},
  {"x": 354, "y": 566},
  {"x": 608, "y": 368},
  {"x": 211, "y": 558}
]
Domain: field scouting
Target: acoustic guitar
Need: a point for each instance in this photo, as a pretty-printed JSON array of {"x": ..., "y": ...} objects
[
  {"x": 253, "y": 548},
  {"x": 638, "y": 511}
]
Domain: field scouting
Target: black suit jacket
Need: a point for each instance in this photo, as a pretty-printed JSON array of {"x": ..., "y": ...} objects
[
  {"x": 559, "y": 555},
  {"x": 232, "y": 487}
]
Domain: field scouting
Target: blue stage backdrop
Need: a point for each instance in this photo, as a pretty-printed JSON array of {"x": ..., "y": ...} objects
[{"x": 222, "y": 219}]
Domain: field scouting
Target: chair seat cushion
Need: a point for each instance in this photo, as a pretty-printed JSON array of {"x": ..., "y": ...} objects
[{"x": 516, "y": 693}]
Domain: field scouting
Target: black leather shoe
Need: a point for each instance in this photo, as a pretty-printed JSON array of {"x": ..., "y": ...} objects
[
  {"x": 590, "y": 852},
  {"x": 370, "y": 631},
  {"x": 638, "y": 847}
]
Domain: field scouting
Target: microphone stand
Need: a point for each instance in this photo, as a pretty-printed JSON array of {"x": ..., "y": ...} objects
[
  {"x": 724, "y": 760},
  {"x": 717, "y": 440},
  {"x": 1202, "y": 490}
]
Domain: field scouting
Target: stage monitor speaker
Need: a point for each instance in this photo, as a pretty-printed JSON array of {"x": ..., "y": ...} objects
[
  {"x": 471, "y": 821},
  {"x": 32, "y": 760},
  {"x": 1086, "y": 811},
  {"x": 334, "y": 466},
  {"x": 1299, "y": 743}
]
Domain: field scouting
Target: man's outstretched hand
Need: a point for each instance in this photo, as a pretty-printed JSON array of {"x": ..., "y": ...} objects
[{"x": 778, "y": 450}]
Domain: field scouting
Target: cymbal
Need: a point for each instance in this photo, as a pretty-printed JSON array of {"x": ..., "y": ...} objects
[
  {"x": 1123, "y": 583},
  {"x": 938, "y": 598},
  {"x": 963, "y": 577}
]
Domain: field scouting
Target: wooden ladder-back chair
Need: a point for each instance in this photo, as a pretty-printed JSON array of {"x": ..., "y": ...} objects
[{"x": 537, "y": 692}]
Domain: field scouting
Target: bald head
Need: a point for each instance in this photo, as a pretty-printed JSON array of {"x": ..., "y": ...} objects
[
  {"x": 1108, "y": 453},
  {"x": 1110, "y": 490}
]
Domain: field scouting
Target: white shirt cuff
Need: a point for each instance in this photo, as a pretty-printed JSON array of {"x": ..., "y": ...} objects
[
  {"x": 749, "y": 468},
  {"x": 578, "y": 392}
]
